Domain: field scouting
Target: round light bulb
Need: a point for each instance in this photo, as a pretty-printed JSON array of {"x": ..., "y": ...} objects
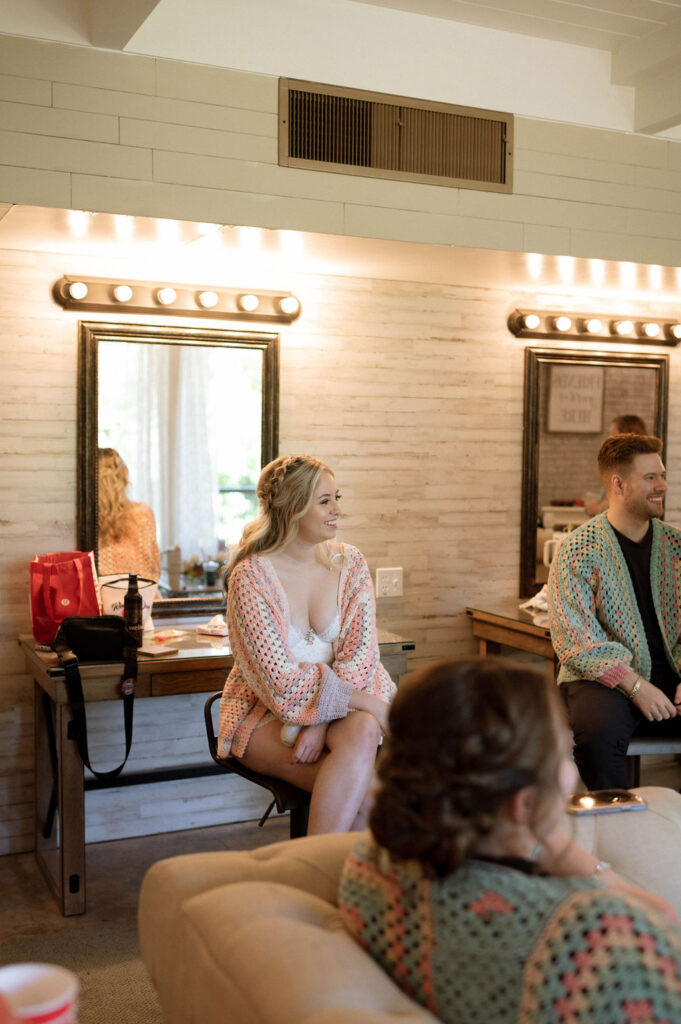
[
  {"x": 78, "y": 290},
  {"x": 675, "y": 331},
  {"x": 651, "y": 330},
  {"x": 531, "y": 321},
  {"x": 166, "y": 295},
  {"x": 248, "y": 303},
  {"x": 289, "y": 305},
  {"x": 593, "y": 326},
  {"x": 208, "y": 299},
  {"x": 624, "y": 327},
  {"x": 563, "y": 323},
  {"x": 122, "y": 293}
]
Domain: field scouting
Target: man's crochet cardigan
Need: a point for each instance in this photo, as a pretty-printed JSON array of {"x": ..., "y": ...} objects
[
  {"x": 596, "y": 627},
  {"x": 267, "y": 676},
  {"x": 490, "y": 944}
]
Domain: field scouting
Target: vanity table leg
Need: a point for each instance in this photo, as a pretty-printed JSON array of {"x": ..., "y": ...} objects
[{"x": 61, "y": 852}]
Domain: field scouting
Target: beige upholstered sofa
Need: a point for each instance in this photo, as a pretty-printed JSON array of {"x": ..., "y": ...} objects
[{"x": 240, "y": 938}]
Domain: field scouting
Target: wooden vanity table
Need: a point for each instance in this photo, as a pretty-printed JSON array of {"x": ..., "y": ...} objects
[
  {"x": 200, "y": 666},
  {"x": 506, "y": 624}
]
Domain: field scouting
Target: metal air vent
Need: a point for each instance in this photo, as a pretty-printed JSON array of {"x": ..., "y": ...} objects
[{"x": 326, "y": 128}]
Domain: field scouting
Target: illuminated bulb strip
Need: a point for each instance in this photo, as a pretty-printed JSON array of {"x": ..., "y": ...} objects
[
  {"x": 289, "y": 305},
  {"x": 248, "y": 303},
  {"x": 166, "y": 296},
  {"x": 77, "y": 290}
]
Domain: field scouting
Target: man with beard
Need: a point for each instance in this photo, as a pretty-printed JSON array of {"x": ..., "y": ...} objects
[{"x": 614, "y": 597}]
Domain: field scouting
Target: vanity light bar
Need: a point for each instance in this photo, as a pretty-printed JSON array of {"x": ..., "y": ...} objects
[
  {"x": 102, "y": 295},
  {"x": 536, "y": 323}
]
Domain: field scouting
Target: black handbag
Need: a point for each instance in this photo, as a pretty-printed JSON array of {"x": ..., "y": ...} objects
[{"x": 97, "y": 638}]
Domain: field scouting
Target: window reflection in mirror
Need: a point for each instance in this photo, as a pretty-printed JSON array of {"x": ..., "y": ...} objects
[
  {"x": 571, "y": 401},
  {"x": 193, "y": 415}
]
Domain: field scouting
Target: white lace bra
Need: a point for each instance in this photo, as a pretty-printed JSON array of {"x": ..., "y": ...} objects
[{"x": 314, "y": 647}]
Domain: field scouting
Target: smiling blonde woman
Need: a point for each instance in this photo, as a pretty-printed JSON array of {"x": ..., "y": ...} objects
[{"x": 302, "y": 627}]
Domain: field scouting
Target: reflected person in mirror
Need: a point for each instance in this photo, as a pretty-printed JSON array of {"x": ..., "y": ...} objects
[
  {"x": 629, "y": 423},
  {"x": 615, "y": 614},
  {"x": 466, "y": 891},
  {"x": 302, "y": 628},
  {"x": 126, "y": 529}
]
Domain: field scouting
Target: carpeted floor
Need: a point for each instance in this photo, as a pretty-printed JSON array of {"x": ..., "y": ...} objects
[
  {"x": 101, "y": 945},
  {"x": 113, "y": 980}
]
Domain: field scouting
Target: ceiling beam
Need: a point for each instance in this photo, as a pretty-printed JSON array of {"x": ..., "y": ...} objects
[
  {"x": 657, "y": 103},
  {"x": 637, "y": 60},
  {"x": 112, "y": 25}
]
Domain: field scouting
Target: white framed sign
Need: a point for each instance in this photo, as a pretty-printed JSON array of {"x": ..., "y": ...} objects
[{"x": 575, "y": 399}]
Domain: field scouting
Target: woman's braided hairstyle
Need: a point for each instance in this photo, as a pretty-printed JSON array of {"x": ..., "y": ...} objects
[
  {"x": 284, "y": 491},
  {"x": 464, "y": 736}
]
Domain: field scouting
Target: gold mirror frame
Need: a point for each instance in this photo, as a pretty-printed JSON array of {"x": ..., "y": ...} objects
[
  {"x": 90, "y": 335},
  {"x": 535, "y": 358}
]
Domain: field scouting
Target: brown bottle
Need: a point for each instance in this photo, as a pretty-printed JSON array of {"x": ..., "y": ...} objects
[{"x": 132, "y": 609}]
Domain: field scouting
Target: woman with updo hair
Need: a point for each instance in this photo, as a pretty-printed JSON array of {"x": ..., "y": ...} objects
[
  {"x": 465, "y": 890},
  {"x": 307, "y": 699}
]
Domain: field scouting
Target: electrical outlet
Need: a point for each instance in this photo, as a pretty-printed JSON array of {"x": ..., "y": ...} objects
[{"x": 389, "y": 582}]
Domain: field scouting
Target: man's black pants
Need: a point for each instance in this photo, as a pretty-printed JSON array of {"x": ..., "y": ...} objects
[{"x": 603, "y": 720}]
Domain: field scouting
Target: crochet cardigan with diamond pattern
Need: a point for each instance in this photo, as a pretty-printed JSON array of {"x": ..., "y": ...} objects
[
  {"x": 490, "y": 944},
  {"x": 596, "y": 627},
  {"x": 267, "y": 677}
]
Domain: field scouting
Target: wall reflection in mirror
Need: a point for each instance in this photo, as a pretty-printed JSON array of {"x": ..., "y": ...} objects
[
  {"x": 572, "y": 400},
  {"x": 192, "y": 415}
]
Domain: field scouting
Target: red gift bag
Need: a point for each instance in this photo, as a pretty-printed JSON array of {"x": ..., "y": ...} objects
[{"x": 62, "y": 585}]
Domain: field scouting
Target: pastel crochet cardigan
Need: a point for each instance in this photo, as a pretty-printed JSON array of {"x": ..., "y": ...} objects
[
  {"x": 267, "y": 676},
  {"x": 490, "y": 944},
  {"x": 596, "y": 627}
]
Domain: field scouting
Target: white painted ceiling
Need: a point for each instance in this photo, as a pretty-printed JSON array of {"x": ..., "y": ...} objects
[{"x": 640, "y": 38}]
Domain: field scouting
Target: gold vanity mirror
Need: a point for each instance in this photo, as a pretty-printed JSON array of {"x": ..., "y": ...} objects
[
  {"x": 194, "y": 415},
  {"x": 571, "y": 400}
]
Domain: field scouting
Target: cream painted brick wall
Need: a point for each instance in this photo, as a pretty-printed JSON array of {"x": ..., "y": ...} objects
[{"x": 163, "y": 138}]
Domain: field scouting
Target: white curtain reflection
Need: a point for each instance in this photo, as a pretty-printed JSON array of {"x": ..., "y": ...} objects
[{"x": 154, "y": 402}]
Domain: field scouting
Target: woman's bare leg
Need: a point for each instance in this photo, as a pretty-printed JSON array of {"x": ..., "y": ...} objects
[
  {"x": 340, "y": 781},
  {"x": 346, "y": 774}
]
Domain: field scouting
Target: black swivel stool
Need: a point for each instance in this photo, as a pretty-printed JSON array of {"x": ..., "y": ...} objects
[
  {"x": 639, "y": 745},
  {"x": 285, "y": 796}
]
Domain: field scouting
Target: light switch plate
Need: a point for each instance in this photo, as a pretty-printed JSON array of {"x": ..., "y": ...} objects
[{"x": 389, "y": 582}]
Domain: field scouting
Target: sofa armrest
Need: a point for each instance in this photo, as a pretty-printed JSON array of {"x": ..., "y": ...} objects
[{"x": 266, "y": 952}]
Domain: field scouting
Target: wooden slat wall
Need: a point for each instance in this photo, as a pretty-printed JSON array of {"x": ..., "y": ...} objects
[
  {"x": 412, "y": 392},
  {"x": 103, "y": 131}
]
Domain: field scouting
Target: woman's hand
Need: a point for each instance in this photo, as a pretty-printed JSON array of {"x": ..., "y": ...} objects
[
  {"x": 309, "y": 744},
  {"x": 562, "y": 856}
]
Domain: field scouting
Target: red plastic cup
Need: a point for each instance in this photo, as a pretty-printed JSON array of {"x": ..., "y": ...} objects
[{"x": 40, "y": 993}]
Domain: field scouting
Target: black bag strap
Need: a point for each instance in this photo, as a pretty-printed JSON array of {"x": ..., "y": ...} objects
[{"x": 74, "y": 689}]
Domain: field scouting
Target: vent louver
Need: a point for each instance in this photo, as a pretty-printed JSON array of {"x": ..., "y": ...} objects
[{"x": 353, "y": 132}]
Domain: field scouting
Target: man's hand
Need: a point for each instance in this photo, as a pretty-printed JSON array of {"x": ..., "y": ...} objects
[
  {"x": 309, "y": 744},
  {"x": 653, "y": 704}
]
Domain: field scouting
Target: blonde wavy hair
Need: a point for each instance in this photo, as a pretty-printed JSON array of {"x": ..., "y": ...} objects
[
  {"x": 284, "y": 491},
  {"x": 114, "y": 505}
]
